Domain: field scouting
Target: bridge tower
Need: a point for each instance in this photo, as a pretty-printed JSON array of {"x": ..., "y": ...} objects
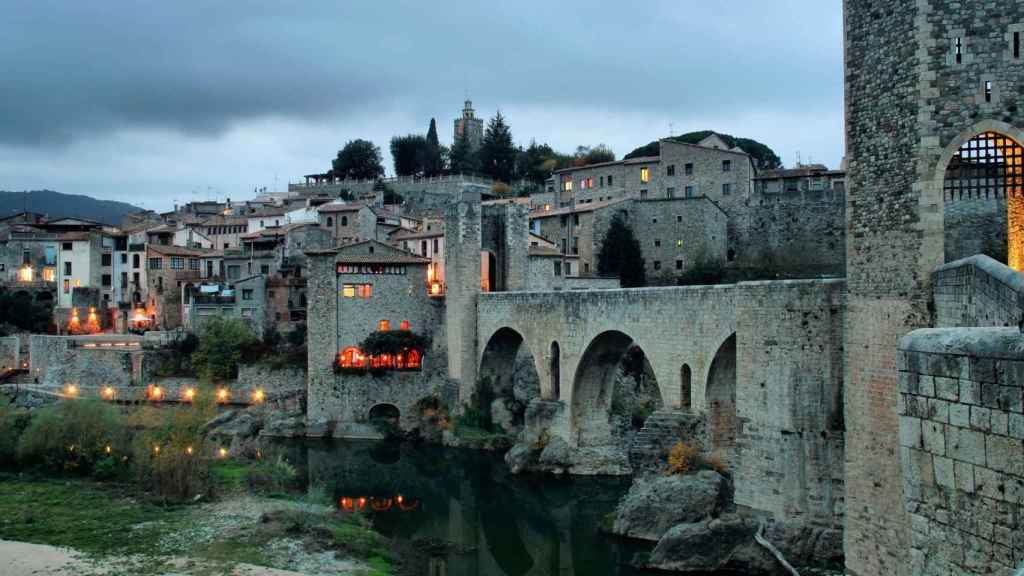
[
  {"x": 462, "y": 278},
  {"x": 931, "y": 86}
]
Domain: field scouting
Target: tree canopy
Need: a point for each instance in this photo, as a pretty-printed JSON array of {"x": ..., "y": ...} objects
[
  {"x": 497, "y": 152},
  {"x": 462, "y": 159},
  {"x": 620, "y": 255},
  {"x": 220, "y": 348},
  {"x": 410, "y": 154},
  {"x": 764, "y": 157},
  {"x": 586, "y": 155},
  {"x": 358, "y": 160}
]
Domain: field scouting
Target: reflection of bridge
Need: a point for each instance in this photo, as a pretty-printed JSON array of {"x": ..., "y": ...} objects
[{"x": 762, "y": 360}]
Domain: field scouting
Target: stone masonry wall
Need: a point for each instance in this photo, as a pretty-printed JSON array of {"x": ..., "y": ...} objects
[
  {"x": 57, "y": 361},
  {"x": 962, "y": 445},
  {"x": 977, "y": 291},
  {"x": 10, "y": 352},
  {"x": 793, "y": 238},
  {"x": 975, "y": 226}
]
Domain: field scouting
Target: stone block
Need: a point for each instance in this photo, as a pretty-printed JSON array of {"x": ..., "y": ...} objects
[
  {"x": 944, "y": 475},
  {"x": 1005, "y": 454},
  {"x": 934, "y": 437},
  {"x": 969, "y": 392},
  {"x": 946, "y": 365},
  {"x": 964, "y": 477},
  {"x": 938, "y": 410},
  {"x": 1000, "y": 422},
  {"x": 926, "y": 385},
  {"x": 947, "y": 388},
  {"x": 960, "y": 415},
  {"x": 910, "y": 432},
  {"x": 1016, "y": 426},
  {"x": 983, "y": 369},
  {"x": 965, "y": 445},
  {"x": 907, "y": 382},
  {"x": 981, "y": 418},
  {"x": 1011, "y": 373}
]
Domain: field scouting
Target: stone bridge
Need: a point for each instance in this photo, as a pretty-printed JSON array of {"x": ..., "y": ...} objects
[{"x": 761, "y": 360}]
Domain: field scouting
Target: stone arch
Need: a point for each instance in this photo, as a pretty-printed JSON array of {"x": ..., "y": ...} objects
[
  {"x": 23, "y": 294},
  {"x": 593, "y": 388},
  {"x": 555, "y": 371},
  {"x": 720, "y": 395},
  {"x": 964, "y": 226},
  {"x": 384, "y": 412},
  {"x": 685, "y": 386},
  {"x": 505, "y": 363},
  {"x": 44, "y": 296},
  {"x": 330, "y": 222}
]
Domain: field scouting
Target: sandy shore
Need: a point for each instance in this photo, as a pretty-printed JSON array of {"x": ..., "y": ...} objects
[{"x": 21, "y": 559}]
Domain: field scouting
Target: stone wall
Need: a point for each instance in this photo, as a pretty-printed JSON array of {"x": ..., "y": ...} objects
[
  {"x": 253, "y": 376},
  {"x": 977, "y": 291},
  {"x": 10, "y": 352},
  {"x": 975, "y": 226},
  {"x": 962, "y": 449},
  {"x": 792, "y": 237},
  {"x": 59, "y": 360}
]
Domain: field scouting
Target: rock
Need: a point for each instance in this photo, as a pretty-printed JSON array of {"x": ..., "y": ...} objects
[
  {"x": 243, "y": 425},
  {"x": 502, "y": 416},
  {"x": 219, "y": 420},
  {"x": 520, "y": 457},
  {"x": 601, "y": 461},
  {"x": 805, "y": 545},
  {"x": 656, "y": 504},
  {"x": 285, "y": 426},
  {"x": 724, "y": 544},
  {"x": 556, "y": 454}
]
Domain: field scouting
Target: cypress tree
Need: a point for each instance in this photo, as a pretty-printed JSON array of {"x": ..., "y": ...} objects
[{"x": 621, "y": 255}]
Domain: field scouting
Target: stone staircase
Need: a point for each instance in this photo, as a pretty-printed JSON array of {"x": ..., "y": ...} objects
[{"x": 661, "y": 431}]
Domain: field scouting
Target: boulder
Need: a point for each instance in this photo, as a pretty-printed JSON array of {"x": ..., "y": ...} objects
[
  {"x": 242, "y": 425},
  {"x": 556, "y": 454},
  {"x": 284, "y": 426},
  {"x": 724, "y": 544},
  {"x": 502, "y": 416},
  {"x": 520, "y": 458},
  {"x": 600, "y": 461},
  {"x": 656, "y": 504},
  {"x": 806, "y": 545}
]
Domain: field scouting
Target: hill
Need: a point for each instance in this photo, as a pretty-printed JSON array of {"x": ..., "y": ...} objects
[
  {"x": 764, "y": 157},
  {"x": 57, "y": 205}
]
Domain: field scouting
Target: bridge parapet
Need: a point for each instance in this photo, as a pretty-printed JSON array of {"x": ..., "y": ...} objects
[{"x": 977, "y": 291}]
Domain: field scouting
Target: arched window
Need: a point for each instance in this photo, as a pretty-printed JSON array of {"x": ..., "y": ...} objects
[
  {"x": 330, "y": 222},
  {"x": 684, "y": 387},
  {"x": 384, "y": 325},
  {"x": 344, "y": 220},
  {"x": 404, "y": 325},
  {"x": 556, "y": 368},
  {"x": 352, "y": 357}
]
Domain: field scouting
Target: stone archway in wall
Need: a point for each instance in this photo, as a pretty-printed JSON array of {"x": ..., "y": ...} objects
[
  {"x": 613, "y": 392},
  {"x": 723, "y": 422},
  {"x": 508, "y": 380},
  {"x": 982, "y": 190},
  {"x": 384, "y": 413}
]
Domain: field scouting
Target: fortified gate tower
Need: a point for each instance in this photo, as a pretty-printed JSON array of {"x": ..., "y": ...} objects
[{"x": 935, "y": 122}]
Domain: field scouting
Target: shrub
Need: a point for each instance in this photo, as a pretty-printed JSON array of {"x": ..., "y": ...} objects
[
  {"x": 272, "y": 474},
  {"x": 173, "y": 458},
  {"x": 220, "y": 348},
  {"x": 703, "y": 273},
  {"x": 682, "y": 458},
  {"x": 12, "y": 424},
  {"x": 392, "y": 342},
  {"x": 73, "y": 436}
]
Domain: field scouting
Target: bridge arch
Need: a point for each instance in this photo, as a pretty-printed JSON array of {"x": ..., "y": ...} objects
[
  {"x": 384, "y": 412},
  {"x": 593, "y": 391},
  {"x": 720, "y": 395},
  {"x": 507, "y": 360}
]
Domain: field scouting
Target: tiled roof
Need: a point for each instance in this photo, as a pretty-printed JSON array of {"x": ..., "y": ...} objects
[
  {"x": 383, "y": 254},
  {"x": 589, "y": 207},
  {"x": 337, "y": 207},
  {"x": 405, "y": 234}
]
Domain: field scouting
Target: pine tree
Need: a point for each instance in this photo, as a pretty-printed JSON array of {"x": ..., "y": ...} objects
[
  {"x": 433, "y": 164},
  {"x": 497, "y": 152},
  {"x": 462, "y": 159},
  {"x": 432, "y": 133},
  {"x": 621, "y": 255}
]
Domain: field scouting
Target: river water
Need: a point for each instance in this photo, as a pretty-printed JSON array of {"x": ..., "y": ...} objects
[{"x": 498, "y": 524}]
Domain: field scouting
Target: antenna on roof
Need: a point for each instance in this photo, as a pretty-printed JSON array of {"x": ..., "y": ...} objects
[
  {"x": 671, "y": 129},
  {"x": 798, "y": 163}
]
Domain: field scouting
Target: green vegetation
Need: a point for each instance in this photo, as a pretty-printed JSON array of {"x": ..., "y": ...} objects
[
  {"x": 220, "y": 348},
  {"x": 704, "y": 273},
  {"x": 497, "y": 154},
  {"x": 393, "y": 341},
  {"x": 620, "y": 255},
  {"x": 21, "y": 312},
  {"x": 176, "y": 358},
  {"x": 358, "y": 160},
  {"x": 764, "y": 157},
  {"x": 73, "y": 437}
]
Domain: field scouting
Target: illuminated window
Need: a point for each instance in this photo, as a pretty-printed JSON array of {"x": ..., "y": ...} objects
[
  {"x": 384, "y": 325},
  {"x": 988, "y": 90},
  {"x": 365, "y": 291},
  {"x": 67, "y": 286},
  {"x": 645, "y": 174},
  {"x": 352, "y": 357},
  {"x": 348, "y": 291},
  {"x": 567, "y": 185},
  {"x": 413, "y": 359},
  {"x": 404, "y": 325},
  {"x": 49, "y": 274},
  {"x": 26, "y": 274}
]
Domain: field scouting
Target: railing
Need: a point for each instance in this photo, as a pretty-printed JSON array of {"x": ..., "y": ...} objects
[{"x": 395, "y": 180}]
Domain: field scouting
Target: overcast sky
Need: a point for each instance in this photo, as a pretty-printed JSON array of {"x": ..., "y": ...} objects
[{"x": 153, "y": 102}]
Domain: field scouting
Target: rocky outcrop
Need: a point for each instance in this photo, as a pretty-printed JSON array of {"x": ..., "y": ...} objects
[
  {"x": 234, "y": 424},
  {"x": 724, "y": 544},
  {"x": 656, "y": 504},
  {"x": 284, "y": 425},
  {"x": 805, "y": 545}
]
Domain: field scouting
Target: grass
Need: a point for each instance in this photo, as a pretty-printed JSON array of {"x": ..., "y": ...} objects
[{"x": 97, "y": 520}]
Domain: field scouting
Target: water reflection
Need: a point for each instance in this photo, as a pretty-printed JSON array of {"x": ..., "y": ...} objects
[{"x": 468, "y": 513}]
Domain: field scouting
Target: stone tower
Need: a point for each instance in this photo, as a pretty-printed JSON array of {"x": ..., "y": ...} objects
[
  {"x": 462, "y": 277},
  {"x": 470, "y": 125},
  {"x": 924, "y": 79}
]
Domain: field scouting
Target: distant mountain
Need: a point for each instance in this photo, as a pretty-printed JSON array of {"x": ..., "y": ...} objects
[{"x": 57, "y": 205}]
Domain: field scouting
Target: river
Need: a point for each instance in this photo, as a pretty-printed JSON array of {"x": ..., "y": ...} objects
[{"x": 498, "y": 524}]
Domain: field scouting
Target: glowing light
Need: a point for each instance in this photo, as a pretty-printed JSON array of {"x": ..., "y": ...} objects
[
  {"x": 71, "y": 390},
  {"x": 188, "y": 450},
  {"x": 188, "y": 394},
  {"x": 156, "y": 448},
  {"x": 26, "y": 274},
  {"x": 156, "y": 393},
  {"x": 223, "y": 395},
  {"x": 435, "y": 289},
  {"x": 258, "y": 396},
  {"x": 108, "y": 392},
  {"x": 222, "y": 452},
  {"x": 108, "y": 449}
]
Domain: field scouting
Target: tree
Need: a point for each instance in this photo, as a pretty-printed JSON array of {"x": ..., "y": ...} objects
[
  {"x": 410, "y": 154},
  {"x": 620, "y": 255},
  {"x": 435, "y": 153},
  {"x": 764, "y": 157},
  {"x": 586, "y": 155},
  {"x": 220, "y": 348},
  {"x": 497, "y": 152},
  {"x": 462, "y": 159},
  {"x": 358, "y": 160}
]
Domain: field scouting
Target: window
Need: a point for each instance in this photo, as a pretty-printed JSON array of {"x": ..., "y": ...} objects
[
  {"x": 264, "y": 269},
  {"x": 688, "y": 169},
  {"x": 679, "y": 243},
  {"x": 135, "y": 278},
  {"x": 575, "y": 245},
  {"x": 66, "y": 246},
  {"x": 609, "y": 179},
  {"x": 679, "y": 264},
  {"x": 558, "y": 267},
  {"x": 156, "y": 263},
  {"x": 436, "y": 243},
  {"x": 351, "y": 358},
  {"x": 234, "y": 272},
  {"x": 1016, "y": 45},
  {"x": 567, "y": 185},
  {"x": 586, "y": 267},
  {"x": 726, "y": 165},
  {"x": 727, "y": 188},
  {"x": 657, "y": 243},
  {"x": 49, "y": 274},
  {"x": 67, "y": 286},
  {"x": 643, "y": 194},
  {"x": 384, "y": 325},
  {"x": 657, "y": 264},
  {"x": 106, "y": 280},
  {"x": 330, "y": 222},
  {"x": 124, "y": 279},
  {"x": 177, "y": 263},
  {"x": 193, "y": 264},
  {"x": 247, "y": 294},
  {"x": 679, "y": 218},
  {"x": 26, "y": 257},
  {"x": 363, "y": 291},
  {"x": 106, "y": 260},
  {"x": 645, "y": 175},
  {"x": 136, "y": 261},
  {"x": 670, "y": 192},
  {"x": 670, "y": 170},
  {"x": 124, "y": 258},
  {"x": 67, "y": 268},
  {"x": 691, "y": 191},
  {"x": 958, "y": 50},
  {"x": 575, "y": 219},
  {"x": 404, "y": 325},
  {"x": 600, "y": 182},
  {"x": 988, "y": 91}
]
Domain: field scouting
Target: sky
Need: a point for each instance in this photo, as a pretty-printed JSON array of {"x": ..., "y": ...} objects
[{"x": 154, "y": 102}]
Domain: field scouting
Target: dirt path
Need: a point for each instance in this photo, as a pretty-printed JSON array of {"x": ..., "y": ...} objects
[{"x": 22, "y": 559}]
